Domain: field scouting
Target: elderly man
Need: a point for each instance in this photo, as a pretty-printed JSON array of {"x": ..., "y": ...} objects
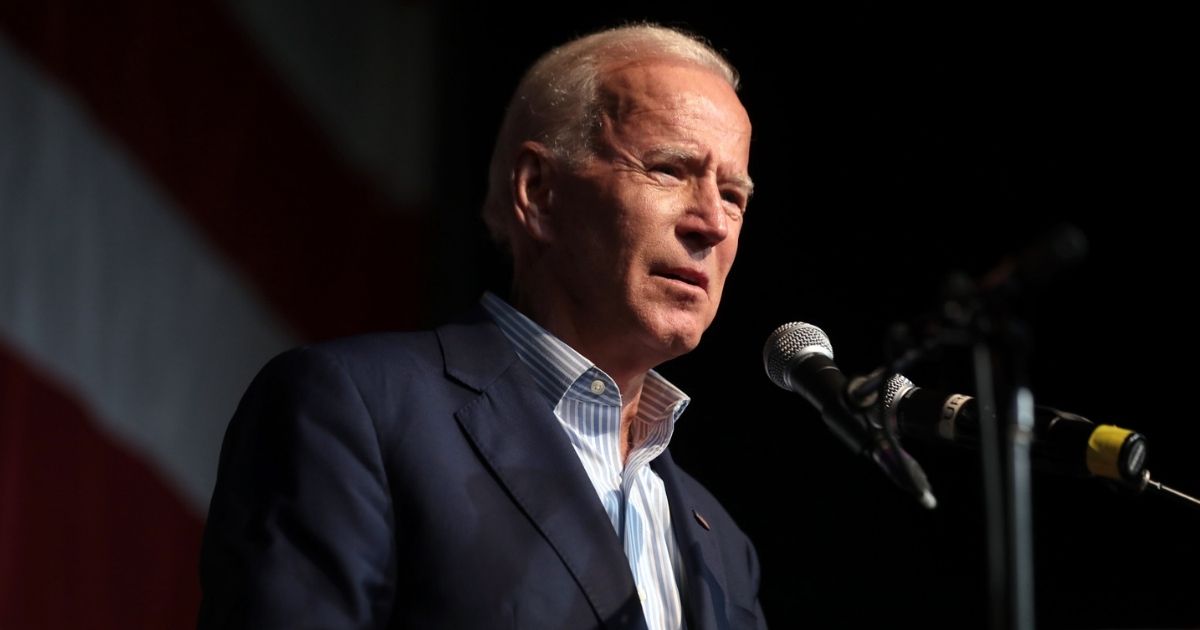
[{"x": 509, "y": 470}]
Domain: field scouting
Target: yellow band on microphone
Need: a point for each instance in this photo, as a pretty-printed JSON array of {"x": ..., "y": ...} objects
[{"x": 1104, "y": 450}]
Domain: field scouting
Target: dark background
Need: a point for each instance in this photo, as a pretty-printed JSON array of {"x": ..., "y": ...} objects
[{"x": 892, "y": 147}]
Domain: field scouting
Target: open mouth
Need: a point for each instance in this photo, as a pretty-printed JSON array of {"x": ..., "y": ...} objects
[{"x": 686, "y": 276}]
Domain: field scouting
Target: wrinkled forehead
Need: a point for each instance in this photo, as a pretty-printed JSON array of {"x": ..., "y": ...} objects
[
  {"x": 677, "y": 107},
  {"x": 656, "y": 83}
]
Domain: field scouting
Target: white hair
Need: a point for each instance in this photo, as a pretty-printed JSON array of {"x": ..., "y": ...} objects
[{"x": 557, "y": 102}]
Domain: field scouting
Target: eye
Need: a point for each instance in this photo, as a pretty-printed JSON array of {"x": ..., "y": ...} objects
[
  {"x": 673, "y": 171},
  {"x": 734, "y": 197}
]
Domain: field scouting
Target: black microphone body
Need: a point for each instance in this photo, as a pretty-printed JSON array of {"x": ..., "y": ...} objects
[
  {"x": 822, "y": 384},
  {"x": 1063, "y": 442}
]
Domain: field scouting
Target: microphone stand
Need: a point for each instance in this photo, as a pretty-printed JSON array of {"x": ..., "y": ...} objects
[
  {"x": 1002, "y": 393},
  {"x": 1005, "y": 449},
  {"x": 980, "y": 316},
  {"x": 1000, "y": 350},
  {"x": 1001, "y": 346}
]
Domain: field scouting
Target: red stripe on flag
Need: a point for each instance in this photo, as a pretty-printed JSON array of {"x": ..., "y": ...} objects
[
  {"x": 89, "y": 536},
  {"x": 192, "y": 99}
]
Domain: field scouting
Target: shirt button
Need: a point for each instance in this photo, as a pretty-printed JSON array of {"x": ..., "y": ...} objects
[{"x": 597, "y": 387}]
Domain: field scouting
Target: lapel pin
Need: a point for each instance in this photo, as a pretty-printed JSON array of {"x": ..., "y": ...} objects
[{"x": 700, "y": 519}]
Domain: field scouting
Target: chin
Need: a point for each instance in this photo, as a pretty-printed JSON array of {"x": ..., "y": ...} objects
[{"x": 677, "y": 337}]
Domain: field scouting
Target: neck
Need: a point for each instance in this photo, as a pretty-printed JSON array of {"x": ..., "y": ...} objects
[
  {"x": 611, "y": 355},
  {"x": 629, "y": 408}
]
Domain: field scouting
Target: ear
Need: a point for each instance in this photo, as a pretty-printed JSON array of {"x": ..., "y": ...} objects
[{"x": 534, "y": 173}]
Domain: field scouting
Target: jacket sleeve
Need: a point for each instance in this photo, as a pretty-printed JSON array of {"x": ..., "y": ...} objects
[{"x": 300, "y": 531}]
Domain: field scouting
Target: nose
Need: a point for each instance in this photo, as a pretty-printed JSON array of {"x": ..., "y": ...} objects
[{"x": 705, "y": 223}]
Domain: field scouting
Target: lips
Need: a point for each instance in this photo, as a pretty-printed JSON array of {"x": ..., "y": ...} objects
[{"x": 686, "y": 275}]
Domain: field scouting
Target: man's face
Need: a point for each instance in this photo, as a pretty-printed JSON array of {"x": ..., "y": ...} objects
[{"x": 647, "y": 229}]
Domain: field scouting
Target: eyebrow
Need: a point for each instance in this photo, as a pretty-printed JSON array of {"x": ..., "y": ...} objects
[
  {"x": 684, "y": 155},
  {"x": 745, "y": 183}
]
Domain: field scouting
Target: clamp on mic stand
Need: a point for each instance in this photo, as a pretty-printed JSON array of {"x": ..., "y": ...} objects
[{"x": 862, "y": 395}]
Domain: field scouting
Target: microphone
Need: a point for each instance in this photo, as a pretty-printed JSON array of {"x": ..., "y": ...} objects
[
  {"x": 1063, "y": 442},
  {"x": 799, "y": 358}
]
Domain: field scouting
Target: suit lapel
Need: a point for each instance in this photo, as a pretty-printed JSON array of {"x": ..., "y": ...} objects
[
  {"x": 704, "y": 596},
  {"x": 524, "y": 445}
]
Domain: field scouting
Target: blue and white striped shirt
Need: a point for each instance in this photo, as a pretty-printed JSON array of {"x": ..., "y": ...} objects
[{"x": 588, "y": 404}]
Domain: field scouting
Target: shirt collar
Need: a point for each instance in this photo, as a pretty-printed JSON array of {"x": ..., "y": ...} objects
[{"x": 557, "y": 367}]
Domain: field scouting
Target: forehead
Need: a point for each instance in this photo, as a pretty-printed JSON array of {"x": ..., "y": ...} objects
[{"x": 673, "y": 93}]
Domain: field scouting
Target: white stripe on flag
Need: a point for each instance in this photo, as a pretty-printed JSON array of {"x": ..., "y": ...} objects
[{"x": 104, "y": 285}]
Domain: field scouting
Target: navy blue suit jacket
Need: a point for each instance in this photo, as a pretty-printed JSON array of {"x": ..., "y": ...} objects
[{"x": 417, "y": 480}]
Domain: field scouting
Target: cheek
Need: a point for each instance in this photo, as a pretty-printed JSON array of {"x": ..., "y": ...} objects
[{"x": 727, "y": 252}]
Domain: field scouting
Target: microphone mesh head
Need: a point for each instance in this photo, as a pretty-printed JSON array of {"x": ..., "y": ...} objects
[
  {"x": 896, "y": 388},
  {"x": 790, "y": 344}
]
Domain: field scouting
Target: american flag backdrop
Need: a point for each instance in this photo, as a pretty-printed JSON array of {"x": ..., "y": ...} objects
[{"x": 186, "y": 189}]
